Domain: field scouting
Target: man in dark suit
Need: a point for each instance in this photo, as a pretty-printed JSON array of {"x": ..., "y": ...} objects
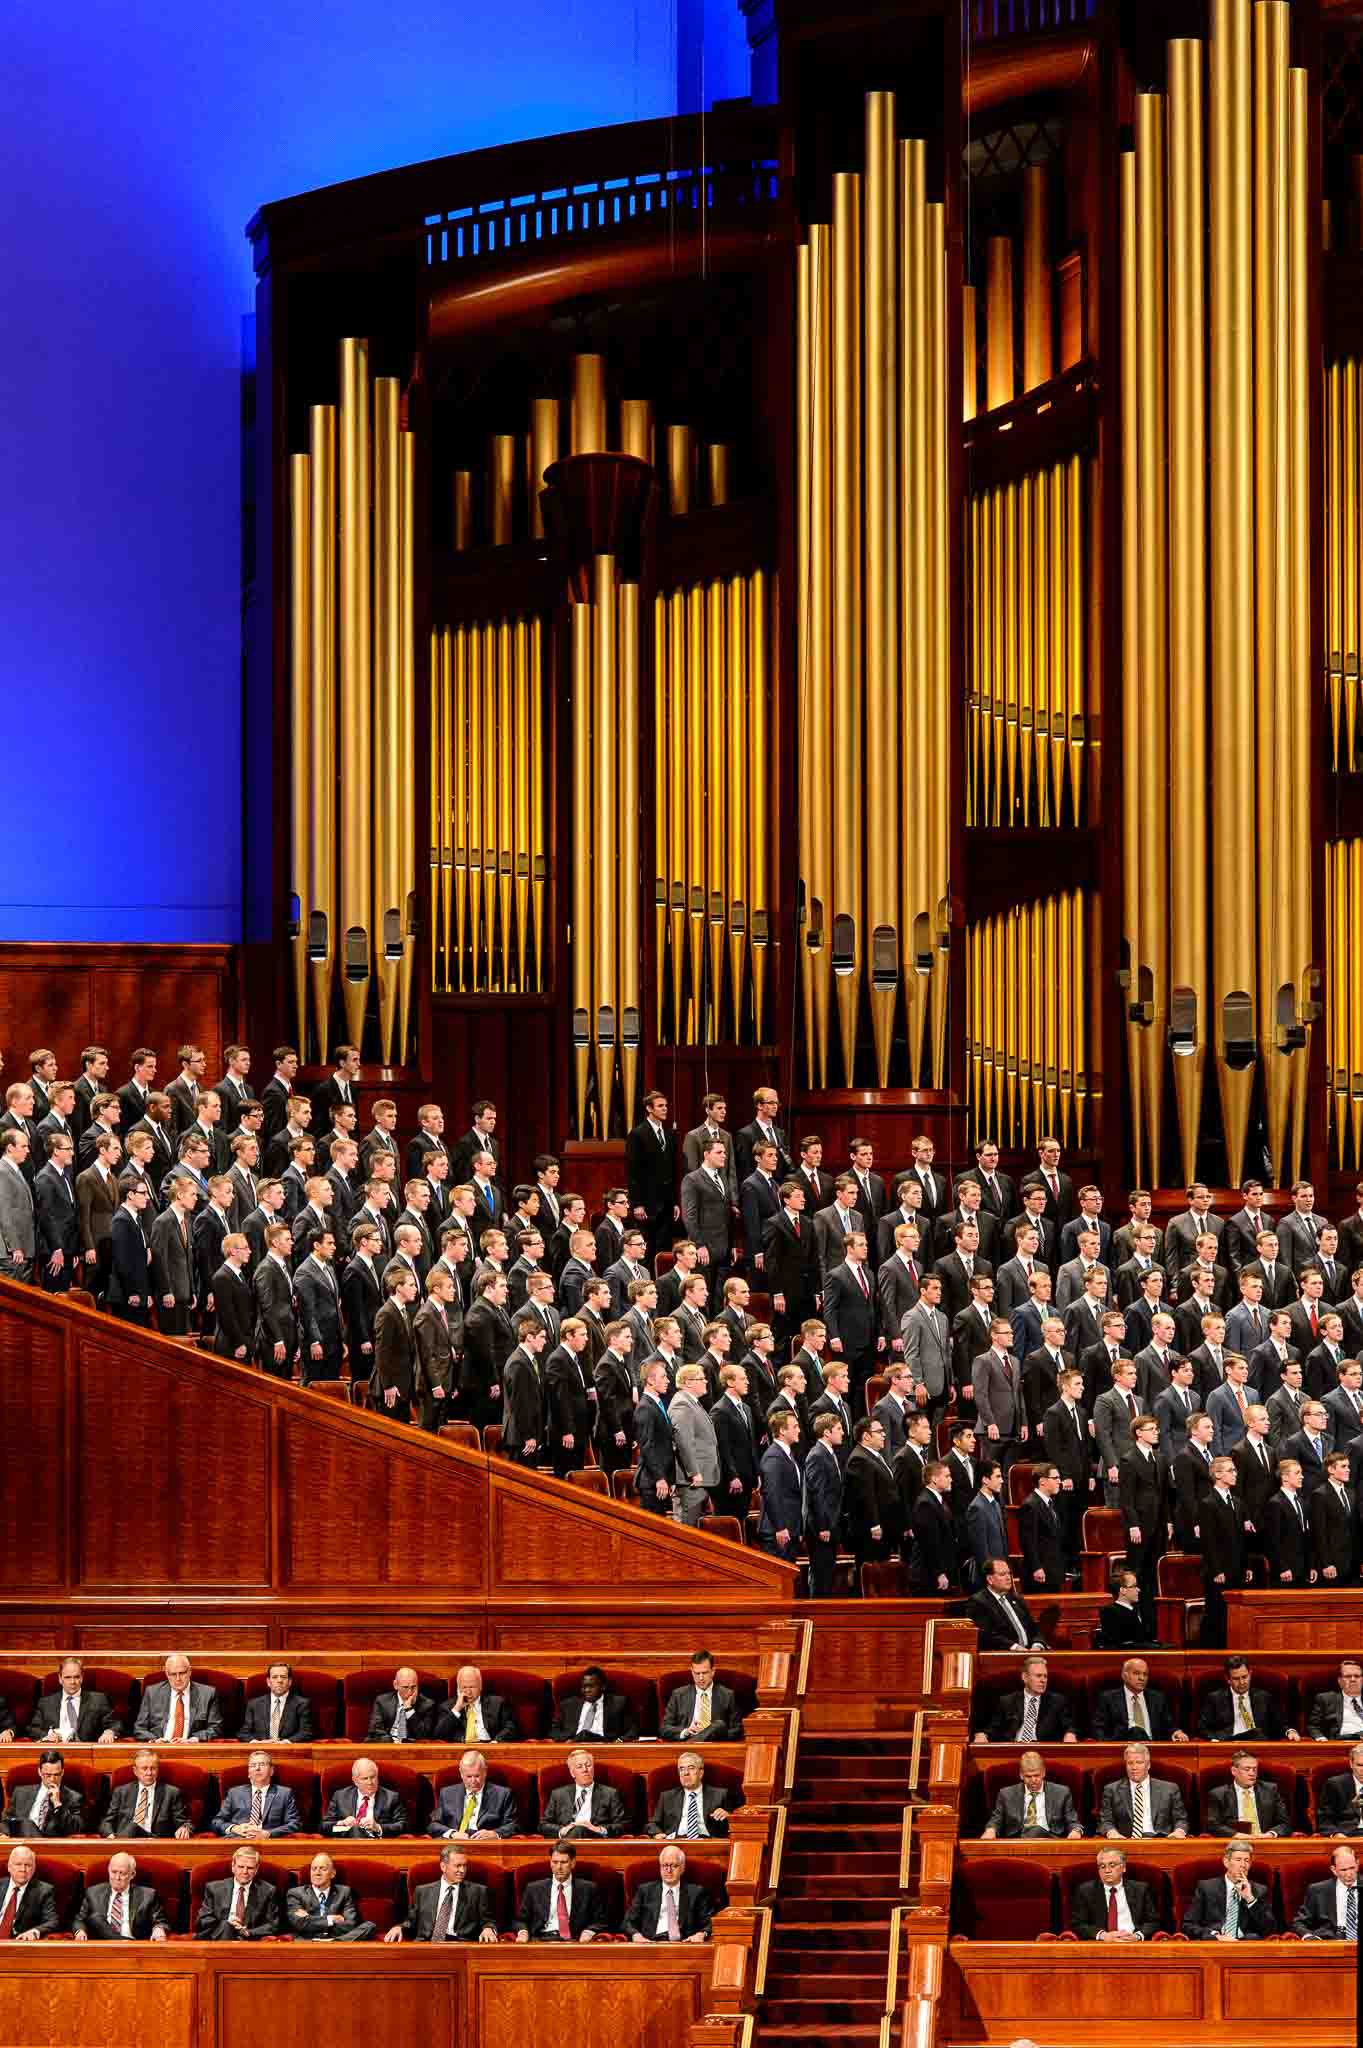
[
  {"x": 1035, "y": 1809},
  {"x": 489, "y": 1341},
  {"x": 1113, "y": 1906},
  {"x": 1299, "y": 1230},
  {"x": 403, "y": 1714},
  {"x": 1000, "y": 1613},
  {"x": 669, "y": 1908},
  {"x": 651, "y": 1172},
  {"x": 871, "y": 1506},
  {"x": 1134, "y": 1707},
  {"x": 705, "y": 1213},
  {"x": 47, "y": 1810},
  {"x": 959, "y": 1266},
  {"x": 1142, "y": 1497},
  {"x": 172, "y": 1261},
  {"x": 763, "y": 1130},
  {"x": 259, "y": 1808},
  {"x": 56, "y": 1216},
  {"x": 562, "y": 1906},
  {"x": 452, "y": 1909},
  {"x": 782, "y": 1487},
  {"x": 1231, "y": 1908},
  {"x": 175, "y": 1709},
  {"x": 1337, "y": 1713},
  {"x": 365, "y": 1808},
  {"x": 583, "y": 1807},
  {"x": 1032, "y": 1714},
  {"x": 323, "y": 1909},
  {"x": 276, "y": 1326},
  {"x": 28, "y": 1905},
  {"x": 73, "y": 1713},
  {"x": 341, "y": 1085},
  {"x": 475, "y": 1809},
  {"x": 1042, "y": 1533},
  {"x": 823, "y": 1504},
  {"x": 790, "y": 1261},
  {"x": 234, "y": 1306},
  {"x": 594, "y": 1711},
  {"x": 242, "y": 1907},
  {"x": 1240, "y": 1708},
  {"x": 1182, "y": 1232},
  {"x": 656, "y": 1477},
  {"x": 1333, "y": 1516},
  {"x": 1286, "y": 1533},
  {"x": 736, "y": 1438},
  {"x": 569, "y": 1398},
  {"x": 1248, "y": 1805},
  {"x": 478, "y": 1140},
  {"x": 833, "y": 1225},
  {"x": 119, "y": 1910},
  {"x": 1329, "y": 1910},
  {"x": 1339, "y": 1804},
  {"x": 279, "y": 1714},
  {"x": 691, "y": 1810},
  {"x": 759, "y": 1198},
  {"x": 318, "y": 1294},
  {"x": 146, "y": 1807},
  {"x": 703, "y": 1711},
  {"x": 850, "y": 1312},
  {"x": 1222, "y": 1538},
  {"x": 473, "y": 1716},
  {"x": 1067, "y": 1441}
]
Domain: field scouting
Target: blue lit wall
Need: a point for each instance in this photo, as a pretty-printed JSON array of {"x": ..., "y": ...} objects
[{"x": 140, "y": 137}]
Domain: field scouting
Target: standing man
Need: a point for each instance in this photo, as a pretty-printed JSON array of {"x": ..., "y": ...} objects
[
  {"x": 651, "y": 1173},
  {"x": 823, "y": 1504},
  {"x": 705, "y": 1208},
  {"x": 695, "y": 1445}
]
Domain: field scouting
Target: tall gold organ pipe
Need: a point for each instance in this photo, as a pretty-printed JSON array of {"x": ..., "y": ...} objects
[
  {"x": 1025, "y": 581},
  {"x": 1152, "y": 590},
  {"x": 1334, "y": 566},
  {"x": 677, "y": 870},
  {"x": 663, "y": 748},
  {"x": 879, "y": 470},
  {"x": 459, "y": 821},
  {"x": 1356, "y": 1000},
  {"x": 605, "y": 816},
  {"x": 406, "y": 862},
  {"x": 697, "y": 684},
  {"x": 807, "y": 799},
  {"x": 1299, "y": 524},
  {"x": 636, "y": 428},
  {"x": 520, "y": 825},
  {"x": 539, "y": 872},
  {"x": 759, "y": 927},
  {"x": 716, "y": 820},
  {"x": 1187, "y": 723},
  {"x": 1135, "y": 905},
  {"x": 1230, "y": 365},
  {"x": 1074, "y": 725},
  {"x": 679, "y": 466},
  {"x": 816, "y": 660},
  {"x": 473, "y": 762},
  {"x": 1000, "y": 374},
  {"x": 970, "y": 353},
  {"x": 321, "y": 931},
  {"x": 505, "y": 794},
  {"x": 442, "y": 669},
  {"x": 544, "y": 449},
  {"x": 391, "y": 767},
  {"x": 913, "y": 402},
  {"x": 300, "y": 726},
  {"x": 1037, "y": 341},
  {"x": 580, "y": 726},
  {"x": 501, "y": 494},
  {"x": 1039, "y": 591},
  {"x": 848, "y": 668},
  {"x": 627, "y": 866},
  {"x": 588, "y": 428},
  {"x": 717, "y": 461},
  {"x": 439, "y": 787},
  {"x": 938, "y": 602},
  {"x": 741, "y": 766},
  {"x": 462, "y": 510},
  {"x": 356, "y": 724}
]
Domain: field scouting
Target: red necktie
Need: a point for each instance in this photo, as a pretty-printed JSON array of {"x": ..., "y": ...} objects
[
  {"x": 1111, "y": 1910},
  {"x": 7, "y": 1917},
  {"x": 177, "y": 1726},
  {"x": 1312, "y": 1313},
  {"x": 796, "y": 1221},
  {"x": 565, "y": 1931},
  {"x": 913, "y": 1272},
  {"x": 362, "y": 1810},
  {"x": 861, "y": 1282},
  {"x": 116, "y": 1912}
]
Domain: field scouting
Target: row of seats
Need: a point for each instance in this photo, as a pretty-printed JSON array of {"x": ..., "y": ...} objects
[
  {"x": 381, "y": 1890},
  {"x": 1017, "y": 1899},
  {"x": 203, "y": 1790},
  {"x": 342, "y": 1703},
  {"x": 1291, "y": 1692},
  {"x": 1299, "y": 1788}
]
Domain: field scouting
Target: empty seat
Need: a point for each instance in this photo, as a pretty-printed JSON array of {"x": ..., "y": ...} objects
[
  {"x": 465, "y": 1434},
  {"x": 727, "y": 1526},
  {"x": 1007, "y": 1900},
  {"x": 591, "y": 1479},
  {"x": 339, "y": 1390},
  {"x": 884, "y": 1581},
  {"x": 877, "y": 1386},
  {"x": 492, "y": 1439},
  {"x": 20, "y": 1690},
  {"x": 1021, "y": 1480}
]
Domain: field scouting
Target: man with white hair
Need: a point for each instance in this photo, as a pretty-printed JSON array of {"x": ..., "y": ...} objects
[{"x": 121, "y": 1910}]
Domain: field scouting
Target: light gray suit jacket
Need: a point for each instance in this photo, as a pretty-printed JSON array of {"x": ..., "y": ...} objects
[
  {"x": 693, "y": 1436},
  {"x": 16, "y": 1215},
  {"x": 926, "y": 1338},
  {"x": 1011, "y": 1806},
  {"x": 1165, "y": 1808}
]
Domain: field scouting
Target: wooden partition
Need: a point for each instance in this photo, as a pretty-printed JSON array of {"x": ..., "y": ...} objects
[
  {"x": 871, "y": 1660},
  {"x": 1306, "y": 1620},
  {"x": 120, "y": 997}
]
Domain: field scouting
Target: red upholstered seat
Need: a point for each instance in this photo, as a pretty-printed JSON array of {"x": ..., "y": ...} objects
[
  {"x": 339, "y": 1390},
  {"x": 884, "y": 1581},
  {"x": 360, "y": 1689},
  {"x": 635, "y": 1686},
  {"x": 700, "y": 1869},
  {"x": 321, "y": 1690},
  {"x": 727, "y": 1526},
  {"x": 496, "y": 1879},
  {"x": 525, "y": 1692},
  {"x": 519, "y": 1781},
  {"x": 1067, "y": 1771},
  {"x": 1179, "y": 1575},
  {"x": 606, "y": 1880},
  {"x": 20, "y": 1690},
  {"x": 877, "y": 1386},
  {"x": 68, "y": 1882},
  {"x": 492, "y": 1439},
  {"x": 1021, "y": 1480},
  {"x": 1102, "y": 1530},
  {"x": 618, "y": 1776},
  {"x": 196, "y": 1786},
  {"x": 663, "y": 1778},
  {"x": 1007, "y": 1900},
  {"x": 591, "y": 1479},
  {"x": 622, "y": 1485},
  {"x": 1146, "y": 1873}
]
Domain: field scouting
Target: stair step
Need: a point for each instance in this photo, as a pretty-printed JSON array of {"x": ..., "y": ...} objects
[
  {"x": 867, "y": 1863},
  {"x": 824, "y": 1944},
  {"x": 787, "y": 2033},
  {"x": 833, "y": 2012},
  {"x": 852, "y": 1831},
  {"x": 807, "y": 1907},
  {"x": 830, "y": 1811},
  {"x": 833, "y": 1971}
]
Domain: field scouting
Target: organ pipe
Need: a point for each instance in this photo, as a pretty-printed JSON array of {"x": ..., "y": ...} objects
[
  {"x": 406, "y": 846},
  {"x": 391, "y": 766},
  {"x": 849, "y": 676},
  {"x": 300, "y": 719},
  {"x": 356, "y": 709},
  {"x": 1028, "y": 1033}
]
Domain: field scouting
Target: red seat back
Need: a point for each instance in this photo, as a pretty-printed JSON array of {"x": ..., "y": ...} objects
[
  {"x": 411, "y": 1787},
  {"x": 230, "y": 1693},
  {"x": 1007, "y": 1900},
  {"x": 663, "y": 1778},
  {"x": 1021, "y": 1481},
  {"x": 727, "y": 1526},
  {"x": 525, "y": 1692},
  {"x": 884, "y": 1580},
  {"x": 20, "y": 1690},
  {"x": 618, "y": 1776},
  {"x": 519, "y": 1781},
  {"x": 465, "y": 1434},
  {"x": 877, "y": 1387},
  {"x": 591, "y": 1479},
  {"x": 68, "y": 1882},
  {"x": 378, "y": 1889},
  {"x": 92, "y": 1785},
  {"x": 120, "y": 1687}
]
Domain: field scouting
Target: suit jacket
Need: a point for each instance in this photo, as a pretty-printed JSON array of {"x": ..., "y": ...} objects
[
  {"x": 305, "y": 1922},
  {"x": 926, "y": 1339},
  {"x": 130, "y": 1264},
  {"x": 202, "y": 1706},
  {"x": 617, "y": 1719},
  {"x": 1043, "y": 1544},
  {"x": 498, "y": 1717},
  {"x": 489, "y": 1341},
  {"x": 829, "y": 1237},
  {"x": 94, "y": 1717},
  {"x": 694, "y": 1440},
  {"x": 234, "y": 1308},
  {"x": 586, "y": 1908},
  {"x": 1112, "y": 1426},
  {"x": 1206, "y": 1912},
  {"x": 262, "y": 1911},
  {"x": 1123, "y": 1628},
  {"x": 651, "y": 1171},
  {"x": 896, "y": 1293},
  {"x": 823, "y": 1492},
  {"x": 693, "y": 1910},
  {"x": 1180, "y": 1241},
  {"x": 1298, "y": 1240},
  {"x": 568, "y": 1408},
  {"x": 66, "y": 1817},
  {"x": 1216, "y": 1722},
  {"x": 141, "y": 1903},
  {"x": 1054, "y": 1721},
  {"x": 726, "y": 1723},
  {"x": 1010, "y": 1809},
  {"x": 1326, "y": 1719},
  {"x": 1172, "y": 1409},
  {"x": 421, "y": 1718},
  {"x": 849, "y": 1314},
  {"x": 1088, "y": 1908},
  {"x": 361, "y": 1300},
  {"x": 1222, "y": 1815},
  {"x": 295, "y": 1720},
  {"x": 887, "y": 1227},
  {"x": 657, "y": 1451},
  {"x": 1284, "y": 1410},
  {"x": 986, "y": 1536},
  {"x": 705, "y": 1214},
  {"x": 736, "y": 1441},
  {"x": 1068, "y": 1446},
  {"x": 986, "y": 1611},
  {"x": 782, "y": 1496},
  {"x": 759, "y": 1200},
  {"x": 1129, "y": 1276},
  {"x": 56, "y": 1218},
  {"x": 389, "y": 1811},
  {"x": 172, "y": 1263},
  {"x": 1312, "y": 1463},
  {"x": 934, "y": 1545},
  {"x": 1334, "y": 1534},
  {"x": 276, "y": 1322},
  {"x": 951, "y": 1271},
  {"x": 472, "y": 1913},
  {"x": 669, "y": 1813},
  {"x": 1041, "y": 1382},
  {"x": 871, "y": 1500},
  {"x": 1286, "y": 1541},
  {"x": 97, "y": 1199},
  {"x": 1280, "y": 1286},
  {"x": 1315, "y": 1919},
  {"x": 168, "y": 1812},
  {"x": 607, "y": 1810},
  {"x": 496, "y": 1811},
  {"x": 433, "y": 1334},
  {"x": 1223, "y": 1540},
  {"x": 998, "y": 1393},
  {"x": 1110, "y": 1723},
  {"x": 1165, "y": 1810},
  {"x": 279, "y": 1810},
  {"x": 317, "y": 1291},
  {"x": 37, "y": 1908}
]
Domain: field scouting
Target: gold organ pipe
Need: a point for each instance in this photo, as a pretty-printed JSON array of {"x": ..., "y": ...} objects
[
  {"x": 664, "y": 742},
  {"x": 437, "y": 800},
  {"x": 696, "y": 687},
  {"x": 459, "y": 821},
  {"x": 544, "y": 449},
  {"x": 636, "y": 428},
  {"x": 999, "y": 367},
  {"x": 882, "y": 943},
  {"x": 1052, "y": 1032},
  {"x": 1299, "y": 523},
  {"x": 539, "y": 877},
  {"x": 605, "y": 817},
  {"x": 680, "y": 759},
  {"x": 1010, "y": 646},
  {"x": 1355, "y": 924},
  {"x": 1086, "y": 945},
  {"x": 501, "y": 489},
  {"x": 356, "y": 722},
  {"x": 406, "y": 847},
  {"x": 1071, "y": 1000},
  {"x": 300, "y": 727},
  {"x": 580, "y": 726},
  {"x": 1133, "y": 877},
  {"x": 1011, "y": 1025},
  {"x": 740, "y": 770},
  {"x": 391, "y": 766},
  {"x": 916, "y": 791},
  {"x": 321, "y": 934},
  {"x": 1020, "y": 1046},
  {"x": 461, "y": 527},
  {"x": 716, "y": 668},
  {"x": 717, "y": 462},
  {"x": 1231, "y": 472},
  {"x": 679, "y": 467},
  {"x": 1026, "y": 578},
  {"x": 1040, "y": 594},
  {"x": 939, "y": 618},
  {"x": 505, "y": 792},
  {"x": 1152, "y": 442},
  {"x": 1336, "y": 1034},
  {"x": 474, "y": 759},
  {"x": 970, "y": 348},
  {"x": 848, "y": 669},
  {"x": 806, "y": 801},
  {"x": 520, "y": 774},
  {"x": 1073, "y": 725},
  {"x": 1351, "y": 642},
  {"x": 998, "y": 597},
  {"x": 1187, "y": 723},
  {"x": 629, "y": 1027},
  {"x": 1337, "y": 477},
  {"x": 759, "y": 763},
  {"x": 1037, "y": 338},
  {"x": 445, "y": 672},
  {"x": 588, "y": 425}
]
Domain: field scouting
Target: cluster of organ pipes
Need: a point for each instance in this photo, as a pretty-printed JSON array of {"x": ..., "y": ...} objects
[
  {"x": 352, "y": 689},
  {"x": 1052, "y": 323},
  {"x": 489, "y": 830},
  {"x": 873, "y": 659},
  {"x": 1026, "y": 697},
  {"x": 713, "y": 826},
  {"x": 1216, "y": 490},
  {"x": 1343, "y": 563},
  {"x": 1344, "y": 1002},
  {"x": 1032, "y": 1024}
]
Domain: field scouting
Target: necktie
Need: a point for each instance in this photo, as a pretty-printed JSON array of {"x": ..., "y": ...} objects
[
  {"x": 177, "y": 1726},
  {"x": 276, "y": 1711},
  {"x": 1297, "y": 1505},
  {"x": 1029, "y": 1819},
  {"x": 116, "y": 1911},
  {"x": 1350, "y": 1913},
  {"x": 565, "y": 1926},
  {"x": 1139, "y": 1718},
  {"x": 1244, "y": 1720},
  {"x": 861, "y": 1281},
  {"x": 7, "y": 1917},
  {"x": 582, "y": 1804},
  {"x": 142, "y": 1814},
  {"x": 703, "y": 1710},
  {"x": 441, "y": 1931},
  {"x": 1240, "y": 1401},
  {"x": 238, "y": 1912},
  {"x": 1131, "y": 1406},
  {"x": 673, "y": 1924},
  {"x": 470, "y": 1808},
  {"x": 470, "y": 1723},
  {"x": 68, "y": 1717},
  {"x": 1249, "y": 1811},
  {"x": 1027, "y": 1733},
  {"x": 1232, "y": 1926},
  {"x": 1112, "y": 1909},
  {"x": 362, "y": 1810},
  {"x": 400, "y": 1723},
  {"x": 42, "y": 1806},
  {"x": 1311, "y": 1311},
  {"x": 1138, "y": 1810},
  {"x": 257, "y": 1805}
]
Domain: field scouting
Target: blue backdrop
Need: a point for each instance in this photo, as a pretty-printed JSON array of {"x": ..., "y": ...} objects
[{"x": 140, "y": 138}]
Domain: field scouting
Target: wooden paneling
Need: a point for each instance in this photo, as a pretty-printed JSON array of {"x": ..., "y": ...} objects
[
  {"x": 69, "y": 997},
  {"x": 890, "y": 1118},
  {"x": 501, "y": 1047},
  {"x": 102, "y": 2006},
  {"x": 1295, "y": 1621},
  {"x": 539, "y": 2002},
  {"x": 32, "y": 1525},
  {"x": 371, "y": 2008}
]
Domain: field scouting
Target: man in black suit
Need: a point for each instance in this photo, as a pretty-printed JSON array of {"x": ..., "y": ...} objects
[
  {"x": 569, "y": 1398},
  {"x": 1337, "y": 1713},
  {"x": 1142, "y": 1496},
  {"x": 477, "y": 1141},
  {"x": 279, "y": 1714},
  {"x": 705, "y": 1213},
  {"x": 47, "y": 1810},
  {"x": 72, "y": 1713},
  {"x": 1035, "y": 1809},
  {"x": 452, "y": 1909},
  {"x": 318, "y": 1294},
  {"x": 365, "y": 1809},
  {"x": 1247, "y": 1805},
  {"x": 1034, "y": 1713},
  {"x": 562, "y": 1906},
  {"x": 28, "y": 1905},
  {"x": 323, "y": 1909},
  {"x": 668, "y": 1908},
  {"x": 823, "y": 1504},
  {"x": 1339, "y": 1805},
  {"x": 1134, "y": 1708},
  {"x": 276, "y": 1324},
  {"x": 583, "y": 1807},
  {"x": 242, "y": 1907},
  {"x": 763, "y": 1130},
  {"x": 1067, "y": 1440},
  {"x": 594, "y": 1712},
  {"x": 759, "y": 1199},
  {"x": 1286, "y": 1533},
  {"x": 1333, "y": 1516},
  {"x": 872, "y": 1511},
  {"x": 1231, "y": 1908},
  {"x": 1000, "y": 1613},
  {"x": 1329, "y": 1910},
  {"x": 56, "y": 1216},
  {"x": 120, "y": 1910},
  {"x": 404, "y": 1714},
  {"x": 782, "y": 1486},
  {"x": 1222, "y": 1538},
  {"x": 1042, "y": 1533},
  {"x": 850, "y": 1313},
  {"x": 342, "y": 1085},
  {"x": 651, "y": 1172},
  {"x": 145, "y": 1807},
  {"x": 1113, "y": 1907},
  {"x": 234, "y": 1306},
  {"x": 472, "y": 1715},
  {"x": 959, "y": 1266},
  {"x": 736, "y": 1438},
  {"x": 703, "y": 1711},
  {"x": 790, "y": 1261},
  {"x": 1240, "y": 1708},
  {"x": 691, "y": 1810},
  {"x": 655, "y": 1479}
]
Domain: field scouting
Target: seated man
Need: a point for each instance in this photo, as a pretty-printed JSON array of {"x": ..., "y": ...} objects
[
  {"x": 28, "y": 1905},
  {"x": 49, "y": 1808},
  {"x": 145, "y": 1806},
  {"x": 1135, "y": 1707},
  {"x": 121, "y": 1910},
  {"x": 1000, "y": 1613},
  {"x": 1337, "y": 1716},
  {"x": 1032, "y": 1715},
  {"x": 592, "y": 1711},
  {"x": 1113, "y": 1906},
  {"x": 71, "y": 1714},
  {"x": 562, "y": 1906},
  {"x": 322, "y": 1909},
  {"x": 279, "y": 1714},
  {"x": 584, "y": 1807},
  {"x": 702, "y": 1711},
  {"x": 473, "y": 1715},
  {"x": 1233, "y": 1907},
  {"x": 1123, "y": 1625},
  {"x": 451, "y": 1909},
  {"x": 406, "y": 1714},
  {"x": 474, "y": 1810},
  {"x": 1246, "y": 1806},
  {"x": 242, "y": 1907},
  {"x": 1329, "y": 1911},
  {"x": 1137, "y": 1804},
  {"x": 691, "y": 1808},
  {"x": 177, "y": 1710},
  {"x": 258, "y": 1809},
  {"x": 1035, "y": 1808},
  {"x": 364, "y": 1807},
  {"x": 667, "y": 1908},
  {"x": 1339, "y": 1807},
  {"x": 1239, "y": 1708}
]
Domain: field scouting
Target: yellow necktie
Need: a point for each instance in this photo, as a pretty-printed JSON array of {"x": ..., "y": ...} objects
[
  {"x": 470, "y": 1807},
  {"x": 1249, "y": 1812},
  {"x": 470, "y": 1724},
  {"x": 1029, "y": 1818},
  {"x": 703, "y": 1711}
]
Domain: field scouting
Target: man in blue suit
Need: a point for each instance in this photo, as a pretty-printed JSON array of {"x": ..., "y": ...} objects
[
  {"x": 475, "y": 1808},
  {"x": 782, "y": 1486},
  {"x": 986, "y": 1529},
  {"x": 258, "y": 1808},
  {"x": 656, "y": 1477},
  {"x": 823, "y": 1504}
]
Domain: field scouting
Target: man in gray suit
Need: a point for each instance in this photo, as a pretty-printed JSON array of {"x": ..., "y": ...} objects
[
  {"x": 694, "y": 1444},
  {"x": 697, "y": 1142},
  {"x": 1136, "y": 1804},
  {"x": 1034, "y": 1809},
  {"x": 998, "y": 1396},
  {"x": 177, "y": 1710},
  {"x": 926, "y": 1340},
  {"x": 1299, "y": 1230},
  {"x": 121, "y": 1910},
  {"x": 17, "y": 1242},
  {"x": 1113, "y": 1414},
  {"x": 705, "y": 1214}
]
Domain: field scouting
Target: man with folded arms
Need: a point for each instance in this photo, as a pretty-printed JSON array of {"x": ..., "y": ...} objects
[
  {"x": 322, "y": 1909},
  {"x": 121, "y": 1910},
  {"x": 1113, "y": 1906},
  {"x": 452, "y": 1909}
]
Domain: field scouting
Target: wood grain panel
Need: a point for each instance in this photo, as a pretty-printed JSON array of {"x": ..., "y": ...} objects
[
  {"x": 353, "y": 2012},
  {"x": 119, "y": 996},
  {"x": 92, "y": 2008},
  {"x": 32, "y": 1410},
  {"x": 423, "y": 1519},
  {"x": 1294, "y": 1621},
  {"x": 488, "y": 1046},
  {"x": 548, "y": 2005},
  {"x": 1275, "y": 1991},
  {"x": 1028, "y": 1985},
  {"x": 126, "y": 1528}
]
